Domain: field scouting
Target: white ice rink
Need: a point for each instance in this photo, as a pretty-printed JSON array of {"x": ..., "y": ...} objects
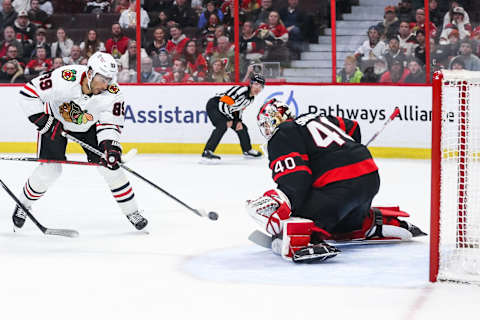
[{"x": 193, "y": 268}]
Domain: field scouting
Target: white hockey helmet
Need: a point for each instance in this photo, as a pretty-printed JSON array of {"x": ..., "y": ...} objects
[
  {"x": 103, "y": 64},
  {"x": 271, "y": 115}
]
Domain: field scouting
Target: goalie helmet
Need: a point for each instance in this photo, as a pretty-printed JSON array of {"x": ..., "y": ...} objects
[
  {"x": 103, "y": 64},
  {"x": 271, "y": 115}
]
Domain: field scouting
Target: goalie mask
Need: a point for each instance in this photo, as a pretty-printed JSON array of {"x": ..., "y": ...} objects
[{"x": 271, "y": 115}]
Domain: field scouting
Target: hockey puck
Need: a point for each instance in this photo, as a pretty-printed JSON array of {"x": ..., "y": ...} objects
[{"x": 212, "y": 215}]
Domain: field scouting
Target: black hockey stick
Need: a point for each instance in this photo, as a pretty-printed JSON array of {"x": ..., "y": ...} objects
[
  {"x": 199, "y": 212},
  {"x": 49, "y": 231},
  {"x": 392, "y": 116}
]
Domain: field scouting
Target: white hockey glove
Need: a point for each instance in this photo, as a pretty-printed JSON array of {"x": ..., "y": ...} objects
[{"x": 270, "y": 210}]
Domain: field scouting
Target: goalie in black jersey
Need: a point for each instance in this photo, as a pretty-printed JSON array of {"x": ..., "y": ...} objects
[{"x": 326, "y": 182}]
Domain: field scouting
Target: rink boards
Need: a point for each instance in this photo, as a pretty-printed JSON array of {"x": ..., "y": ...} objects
[{"x": 172, "y": 119}]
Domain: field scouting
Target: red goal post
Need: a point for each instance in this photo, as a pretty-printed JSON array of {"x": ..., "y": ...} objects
[{"x": 455, "y": 179}]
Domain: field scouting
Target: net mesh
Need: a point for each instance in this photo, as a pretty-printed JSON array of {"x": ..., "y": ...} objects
[{"x": 460, "y": 179}]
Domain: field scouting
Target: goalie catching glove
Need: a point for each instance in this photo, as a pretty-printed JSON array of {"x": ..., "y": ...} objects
[
  {"x": 47, "y": 124},
  {"x": 113, "y": 154},
  {"x": 270, "y": 210}
]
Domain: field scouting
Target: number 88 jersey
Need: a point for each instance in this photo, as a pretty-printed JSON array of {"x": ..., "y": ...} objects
[
  {"x": 59, "y": 93},
  {"x": 314, "y": 151}
]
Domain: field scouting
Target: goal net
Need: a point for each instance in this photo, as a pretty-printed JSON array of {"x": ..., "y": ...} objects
[{"x": 455, "y": 220}]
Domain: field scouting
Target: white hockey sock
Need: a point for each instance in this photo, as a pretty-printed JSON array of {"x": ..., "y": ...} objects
[
  {"x": 38, "y": 183},
  {"x": 121, "y": 189}
]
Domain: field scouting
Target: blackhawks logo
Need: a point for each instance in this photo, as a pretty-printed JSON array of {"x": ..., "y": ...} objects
[
  {"x": 72, "y": 112},
  {"x": 113, "y": 88},
  {"x": 69, "y": 75}
]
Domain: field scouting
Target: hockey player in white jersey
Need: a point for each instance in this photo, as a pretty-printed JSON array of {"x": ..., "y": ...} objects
[{"x": 86, "y": 102}]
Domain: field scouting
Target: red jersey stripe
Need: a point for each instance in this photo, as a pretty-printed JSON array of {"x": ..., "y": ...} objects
[
  {"x": 341, "y": 124},
  {"x": 288, "y": 171},
  {"x": 31, "y": 90},
  {"x": 290, "y": 155},
  {"x": 355, "y": 124},
  {"x": 350, "y": 171}
]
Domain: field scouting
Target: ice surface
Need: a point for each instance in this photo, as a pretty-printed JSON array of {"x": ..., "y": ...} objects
[{"x": 189, "y": 267}]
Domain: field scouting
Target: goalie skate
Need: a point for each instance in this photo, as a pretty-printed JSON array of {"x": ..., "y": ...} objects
[
  {"x": 315, "y": 252},
  {"x": 18, "y": 217},
  {"x": 138, "y": 221}
]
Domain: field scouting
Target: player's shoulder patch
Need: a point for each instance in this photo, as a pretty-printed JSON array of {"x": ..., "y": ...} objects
[
  {"x": 69, "y": 74},
  {"x": 113, "y": 88}
]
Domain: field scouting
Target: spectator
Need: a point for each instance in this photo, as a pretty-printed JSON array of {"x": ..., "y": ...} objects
[
  {"x": 128, "y": 18},
  {"x": 416, "y": 73},
  {"x": 41, "y": 41},
  {"x": 12, "y": 73},
  {"x": 252, "y": 47},
  {"x": 448, "y": 18},
  {"x": 91, "y": 44},
  {"x": 178, "y": 73},
  {"x": 457, "y": 64},
  {"x": 372, "y": 74},
  {"x": 445, "y": 50},
  {"x": 471, "y": 61},
  {"x": 350, "y": 73},
  {"x": 394, "y": 52},
  {"x": 178, "y": 41},
  {"x": 158, "y": 5},
  {"x": 40, "y": 64},
  {"x": 406, "y": 39},
  {"x": 160, "y": 20},
  {"x": 226, "y": 52},
  {"x": 205, "y": 16},
  {"x": 149, "y": 75},
  {"x": 118, "y": 43},
  {"x": 388, "y": 28},
  {"x": 405, "y": 11},
  {"x": 208, "y": 32},
  {"x": 217, "y": 73},
  {"x": 57, "y": 63},
  {"x": 159, "y": 42},
  {"x": 62, "y": 47},
  {"x": 435, "y": 13},
  {"x": 38, "y": 17},
  {"x": 196, "y": 64},
  {"x": 211, "y": 46},
  {"x": 261, "y": 14},
  {"x": 128, "y": 63},
  {"x": 476, "y": 40},
  {"x": 21, "y": 5},
  {"x": 182, "y": 14},
  {"x": 10, "y": 40},
  {"x": 229, "y": 15},
  {"x": 46, "y": 6},
  {"x": 83, "y": 61},
  {"x": 250, "y": 5},
  {"x": 419, "y": 24},
  {"x": 97, "y": 6},
  {"x": 75, "y": 55},
  {"x": 396, "y": 74},
  {"x": 372, "y": 48},
  {"x": 419, "y": 51},
  {"x": 162, "y": 63},
  {"x": 122, "y": 5},
  {"x": 276, "y": 37},
  {"x": 12, "y": 55},
  {"x": 294, "y": 20},
  {"x": 24, "y": 29},
  {"x": 458, "y": 23},
  {"x": 8, "y": 15}
]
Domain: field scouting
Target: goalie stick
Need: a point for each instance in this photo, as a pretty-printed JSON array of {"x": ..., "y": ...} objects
[
  {"x": 199, "y": 212},
  {"x": 392, "y": 116},
  {"x": 48, "y": 231}
]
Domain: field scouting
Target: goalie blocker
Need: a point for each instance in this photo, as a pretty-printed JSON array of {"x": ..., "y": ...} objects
[{"x": 299, "y": 240}]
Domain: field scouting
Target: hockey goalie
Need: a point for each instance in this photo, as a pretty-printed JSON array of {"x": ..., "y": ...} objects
[{"x": 326, "y": 180}]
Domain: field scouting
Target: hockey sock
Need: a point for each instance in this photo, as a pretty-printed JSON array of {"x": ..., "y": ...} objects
[
  {"x": 121, "y": 189},
  {"x": 38, "y": 183}
]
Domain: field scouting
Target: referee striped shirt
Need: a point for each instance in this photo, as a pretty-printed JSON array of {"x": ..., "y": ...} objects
[{"x": 235, "y": 99}]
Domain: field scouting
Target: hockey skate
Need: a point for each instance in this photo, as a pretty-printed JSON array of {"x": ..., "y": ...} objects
[
  {"x": 209, "y": 156},
  {"x": 252, "y": 154},
  {"x": 138, "y": 221},
  {"x": 19, "y": 217},
  {"x": 315, "y": 252},
  {"x": 414, "y": 230}
]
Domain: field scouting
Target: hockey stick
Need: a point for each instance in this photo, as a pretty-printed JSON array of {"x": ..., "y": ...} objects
[
  {"x": 200, "y": 212},
  {"x": 392, "y": 116},
  {"x": 49, "y": 231}
]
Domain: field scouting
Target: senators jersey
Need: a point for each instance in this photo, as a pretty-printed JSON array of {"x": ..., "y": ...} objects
[
  {"x": 313, "y": 151},
  {"x": 59, "y": 93}
]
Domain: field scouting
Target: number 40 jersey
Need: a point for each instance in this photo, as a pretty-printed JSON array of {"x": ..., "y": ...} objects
[
  {"x": 59, "y": 93},
  {"x": 313, "y": 151}
]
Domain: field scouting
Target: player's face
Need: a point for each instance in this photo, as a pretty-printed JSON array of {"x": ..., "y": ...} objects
[
  {"x": 256, "y": 88},
  {"x": 99, "y": 84}
]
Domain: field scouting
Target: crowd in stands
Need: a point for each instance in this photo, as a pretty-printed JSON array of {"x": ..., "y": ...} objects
[{"x": 395, "y": 51}]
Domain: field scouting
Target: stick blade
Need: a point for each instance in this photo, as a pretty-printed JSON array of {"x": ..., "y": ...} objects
[
  {"x": 261, "y": 239},
  {"x": 62, "y": 232}
]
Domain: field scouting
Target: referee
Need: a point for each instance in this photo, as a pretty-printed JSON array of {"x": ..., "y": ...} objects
[{"x": 225, "y": 111}]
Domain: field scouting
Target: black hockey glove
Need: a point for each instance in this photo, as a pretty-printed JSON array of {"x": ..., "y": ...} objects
[
  {"x": 47, "y": 124},
  {"x": 113, "y": 154}
]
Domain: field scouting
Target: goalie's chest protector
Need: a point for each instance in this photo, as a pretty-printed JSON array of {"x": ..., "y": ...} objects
[{"x": 65, "y": 100}]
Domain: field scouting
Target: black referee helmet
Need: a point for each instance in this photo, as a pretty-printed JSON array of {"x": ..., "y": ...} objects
[{"x": 257, "y": 77}]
